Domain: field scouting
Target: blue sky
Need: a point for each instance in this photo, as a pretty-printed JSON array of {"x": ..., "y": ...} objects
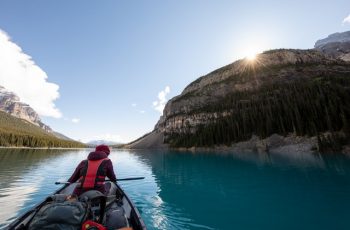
[{"x": 111, "y": 59}]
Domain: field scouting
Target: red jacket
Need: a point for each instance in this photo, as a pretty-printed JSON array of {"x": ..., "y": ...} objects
[{"x": 106, "y": 169}]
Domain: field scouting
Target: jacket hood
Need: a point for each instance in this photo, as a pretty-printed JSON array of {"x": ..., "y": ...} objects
[{"x": 97, "y": 155}]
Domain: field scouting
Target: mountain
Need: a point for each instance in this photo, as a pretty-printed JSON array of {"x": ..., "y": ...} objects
[
  {"x": 20, "y": 125},
  {"x": 22, "y": 133},
  {"x": 285, "y": 97},
  {"x": 11, "y": 104},
  {"x": 100, "y": 142},
  {"x": 335, "y": 45},
  {"x": 61, "y": 136}
]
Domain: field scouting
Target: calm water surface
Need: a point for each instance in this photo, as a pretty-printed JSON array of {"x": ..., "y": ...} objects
[{"x": 184, "y": 190}]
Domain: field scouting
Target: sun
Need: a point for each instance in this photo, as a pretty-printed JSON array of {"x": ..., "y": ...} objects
[{"x": 251, "y": 55}]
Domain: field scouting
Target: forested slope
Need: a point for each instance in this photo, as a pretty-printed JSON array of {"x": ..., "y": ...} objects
[{"x": 18, "y": 132}]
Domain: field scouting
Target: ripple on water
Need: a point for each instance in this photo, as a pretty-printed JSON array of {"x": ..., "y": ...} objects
[
  {"x": 196, "y": 191},
  {"x": 12, "y": 199}
]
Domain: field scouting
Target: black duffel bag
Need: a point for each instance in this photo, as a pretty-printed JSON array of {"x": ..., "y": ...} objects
[{"x": 59, "y": 213}]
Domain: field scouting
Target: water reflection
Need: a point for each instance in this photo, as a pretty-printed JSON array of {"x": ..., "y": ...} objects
[
  {"x": 145, "y": 193},
  {"x": 186, "y": 190},
  {"x": 280, "y": 159},
  {"x": 214, "y": 190},
  {"x": 26, "y": 177}
]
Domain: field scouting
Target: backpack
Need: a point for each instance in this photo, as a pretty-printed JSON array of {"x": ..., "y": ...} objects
[{"x": 59, "y": 213}]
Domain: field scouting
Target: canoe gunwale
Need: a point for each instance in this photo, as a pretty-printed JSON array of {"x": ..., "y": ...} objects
[
  {"x": 135, "y": 216},
  {"x": 133, "y": 208}
]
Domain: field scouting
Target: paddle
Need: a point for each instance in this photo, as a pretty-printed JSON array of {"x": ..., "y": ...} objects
[
  {"x": 130, "y": 178},
  {"x": 122, "y": 179}
]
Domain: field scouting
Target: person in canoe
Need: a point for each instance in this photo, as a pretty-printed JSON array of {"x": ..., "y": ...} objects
[{"x": 91, "y": 172}]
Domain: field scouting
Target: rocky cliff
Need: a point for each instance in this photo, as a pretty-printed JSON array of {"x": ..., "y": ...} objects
[
  {"x": 17, "y": 132},
  {"x": 21, "y": 126},
  {"x": 11, "y": 104},
  {"x": 282, "y": 93},
  {"x": 335, "y": 45},
  {"x": 244, "y": 75}
]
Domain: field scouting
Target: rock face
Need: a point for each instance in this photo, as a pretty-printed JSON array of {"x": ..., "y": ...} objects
[
  {"x": 335, "y": 45},
  {"x": 282, "y": 92},
  {"x": 10, "y": 103},
  {"x": 242, "y": 75},
  {"x": 336, "y": 37},
  {"x": 181, "y": 113}
]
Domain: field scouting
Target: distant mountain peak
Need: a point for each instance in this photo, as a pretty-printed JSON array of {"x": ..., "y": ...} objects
[
  {"x": 102, "y": 142},
  {"x": 11, "y": 104},
  {"x": 336, "y": 37},
  {"x": 336, "y": 45},
  {"x": 6, "y": 93}
]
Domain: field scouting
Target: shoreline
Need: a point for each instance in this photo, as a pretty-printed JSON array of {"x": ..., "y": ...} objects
[
  {"x": 55, "y": 148},
  {"x": 273, "y": 144}
]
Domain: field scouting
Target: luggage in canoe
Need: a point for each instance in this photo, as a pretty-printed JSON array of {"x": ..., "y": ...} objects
[{"x": 91, "y": 211}]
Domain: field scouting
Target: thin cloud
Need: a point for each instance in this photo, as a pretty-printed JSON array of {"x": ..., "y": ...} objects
[
  {"x": 20, "y": 74},
  {"x": 75, "y": 120},
  {"x": 160, "y": 103},
  {"x": 346, "y": 20},
  {"x": 133, "y": 104}
]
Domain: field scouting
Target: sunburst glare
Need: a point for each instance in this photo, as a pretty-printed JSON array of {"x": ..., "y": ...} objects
[{"x": 251, "y": 54}]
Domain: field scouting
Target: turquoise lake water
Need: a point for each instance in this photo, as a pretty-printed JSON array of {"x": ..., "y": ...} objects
[{"x": 184, "y": 190}]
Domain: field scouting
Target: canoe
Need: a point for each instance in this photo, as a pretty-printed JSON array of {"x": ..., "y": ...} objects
[{"x": 116, "y": 208}]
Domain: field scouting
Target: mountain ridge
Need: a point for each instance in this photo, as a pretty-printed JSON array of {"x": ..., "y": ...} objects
[
  {"x": 21, "y": 126},
  {"x": 11, "y": 104},
  {"x": 17, "y": 132},
  {"x": 271, "y": 95},
  {"x": 336, "y": 45}
]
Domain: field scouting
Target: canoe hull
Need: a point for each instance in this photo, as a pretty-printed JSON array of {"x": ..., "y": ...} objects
[{"x": 116, "y": 199}]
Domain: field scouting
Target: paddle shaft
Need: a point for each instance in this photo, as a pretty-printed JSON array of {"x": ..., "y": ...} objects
[
  {"x": 122, "y": 179},
  {"x": 130, "y": 178}
]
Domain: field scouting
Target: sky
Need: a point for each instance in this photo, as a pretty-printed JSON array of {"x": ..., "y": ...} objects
[{"x": 105, "y": 69}]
